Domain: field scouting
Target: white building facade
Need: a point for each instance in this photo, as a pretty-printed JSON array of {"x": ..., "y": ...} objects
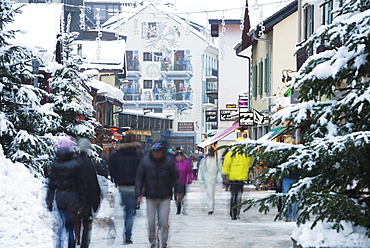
[{"x": 168, "y": 61}]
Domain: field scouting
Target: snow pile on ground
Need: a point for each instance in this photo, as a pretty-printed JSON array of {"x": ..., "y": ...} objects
[
  {"x": 25, "y": 222},
  {"x": 324, "y": 236}
]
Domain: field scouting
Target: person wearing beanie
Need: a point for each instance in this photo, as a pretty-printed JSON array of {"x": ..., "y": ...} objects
[
  {"x": 65, "y": 185},
  {"x": 156, "y": 179}
]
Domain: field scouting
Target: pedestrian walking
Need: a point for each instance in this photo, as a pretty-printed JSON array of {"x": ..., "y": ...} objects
[
  {"x": 184, "y": 168},
  {"x": 92, "y": 194},
  {"x": 210, "y": 174},
  {"x": 236, "y": 168},
  {"x": 66, "y": 185},
  {"x": 123, "y": 166},
  {"x": 156, "y": 177}
]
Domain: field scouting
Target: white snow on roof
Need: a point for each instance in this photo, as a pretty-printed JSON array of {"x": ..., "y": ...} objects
[
  {"x": 39, "y": 26},
  {"x": 107, "y": 90},
  {"x": 110, "y": 55}
]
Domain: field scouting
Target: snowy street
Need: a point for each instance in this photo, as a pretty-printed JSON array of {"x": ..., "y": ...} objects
[{"x": 198, "y": 229}]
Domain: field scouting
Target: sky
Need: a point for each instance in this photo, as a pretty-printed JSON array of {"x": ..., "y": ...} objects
[{"x": 200, "y": 10}]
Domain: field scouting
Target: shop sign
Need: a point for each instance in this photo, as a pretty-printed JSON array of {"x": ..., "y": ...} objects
[
  {"x": 185, "y": 126},
  {"x": 211, "y": 116},
  {"x": 230, "y": 105},
  {"x": 228, "y": 114}
]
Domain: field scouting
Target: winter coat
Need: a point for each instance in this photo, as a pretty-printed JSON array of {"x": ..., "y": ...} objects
[
  {"x": 209, "y": 170},
  {"x": 124, "y": 163},
  {"x": 65, "y": 176},
  {"x": 236, "y": 167},
  {"x": 185, "y": 171},
  {"x": 91, "y": 185},
  {"x": 156, "y": 179}
]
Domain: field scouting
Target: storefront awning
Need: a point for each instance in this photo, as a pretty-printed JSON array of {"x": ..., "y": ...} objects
[
  {"x": 219, "y": 136},
  {"x": 273, "y": 133}
]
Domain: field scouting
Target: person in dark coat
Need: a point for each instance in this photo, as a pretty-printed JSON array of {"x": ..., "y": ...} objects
[
  {"x": 65, "y": 184},
  {"x": 92, "y": 194},
  {"x": 156, "y": 177},
  {"x": 123, "y": 166}
]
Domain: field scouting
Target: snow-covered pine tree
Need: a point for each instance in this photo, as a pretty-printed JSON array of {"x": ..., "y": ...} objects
[
  {"x": 333, "y": 118},
  {"x": 24, "y": 122},
  {"x": 69, "y": 91}
]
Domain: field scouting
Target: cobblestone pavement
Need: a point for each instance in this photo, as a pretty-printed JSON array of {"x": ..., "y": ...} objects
[{"x": 198, "y": 229}]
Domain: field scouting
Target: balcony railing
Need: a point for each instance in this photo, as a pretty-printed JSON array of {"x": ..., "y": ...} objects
[{"x": 162, "y": 96}]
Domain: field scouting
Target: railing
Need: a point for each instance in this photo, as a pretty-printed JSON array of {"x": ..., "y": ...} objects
[{"x": 162, "y": 96}]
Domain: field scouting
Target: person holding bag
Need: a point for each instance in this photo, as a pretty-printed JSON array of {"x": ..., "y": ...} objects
[{"x": 65, "y": 184}]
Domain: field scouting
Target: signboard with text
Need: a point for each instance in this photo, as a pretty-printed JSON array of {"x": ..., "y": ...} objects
[
  {"x": 228, "y": 114},
  {"x": 211, "y": 116},
  {"x": 185, "y": 126},
  {"x": 245, "y": 118}
]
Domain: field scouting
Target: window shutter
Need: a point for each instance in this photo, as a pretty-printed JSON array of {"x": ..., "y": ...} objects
[
  {"x": 254, "y": 80},
  {"x": 260, "y": 78},
  {"x": 267, "y": 74}
]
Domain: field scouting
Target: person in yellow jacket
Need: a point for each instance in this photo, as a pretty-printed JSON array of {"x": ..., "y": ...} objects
[{"x": 236, "y": 167}]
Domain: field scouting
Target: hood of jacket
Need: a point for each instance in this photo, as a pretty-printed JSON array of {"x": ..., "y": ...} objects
[{"x": 64, "y": 154}]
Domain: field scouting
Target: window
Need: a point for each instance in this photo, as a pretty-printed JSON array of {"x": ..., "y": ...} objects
[
  {"x": 308, "y": 22},
  {"x": 157, "y": 110},
  {"x": 330, "y": 12},
  {"x": 158, "y": 83},
  {"x": 112, "y": 10},
  {"x": 214, "y": 30},
  {"x": 147, "y": 56},
  {"x": 152, "y": 30},
  {"x": 323, "y": 16},
  {"x": 133, "y": 62},
  {"x": 148, "y": 84},
  {"x": 157, "y": 56},
  {"x": 327, "y": 13},
  {"x": 105, "y": 11}
]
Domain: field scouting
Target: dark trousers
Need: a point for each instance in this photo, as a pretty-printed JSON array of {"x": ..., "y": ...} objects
[
  {"x": 179, "y": 204},
  {"x": 86, "y": 232},
  {"x": 236, "y": 190}
]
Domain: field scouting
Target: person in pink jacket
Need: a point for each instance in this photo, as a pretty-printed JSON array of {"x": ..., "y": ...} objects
[{"x": 185, "y": 174}]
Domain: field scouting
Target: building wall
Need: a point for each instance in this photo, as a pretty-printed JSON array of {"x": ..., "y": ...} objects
[
  {"x": 233, "y": 76},
  {"x": 193, "y": 43},
  {"x": 284, "y": 39}
]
